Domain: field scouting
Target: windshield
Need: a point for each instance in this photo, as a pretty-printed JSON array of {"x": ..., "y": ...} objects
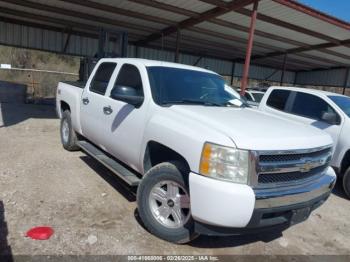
[
  {"x": 343, "y": 102},
  {"x": 258, "y": 96},
  {"x": 182, "y": 86}
]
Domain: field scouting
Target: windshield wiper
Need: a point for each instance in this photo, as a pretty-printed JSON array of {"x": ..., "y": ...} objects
[{"x": 193, "y": 102}]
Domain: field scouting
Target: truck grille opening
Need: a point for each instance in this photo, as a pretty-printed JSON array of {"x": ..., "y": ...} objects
[
  {"x": 293, "y": 167},
  {"x": 291, "y": 176},
  {"x": 292, "y": 157}
]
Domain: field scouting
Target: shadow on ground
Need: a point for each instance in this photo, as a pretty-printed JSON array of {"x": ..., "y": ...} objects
[
  {"x": 338, "y": 189},
  {"x": 125, "y": 190},
  {"x": 5, "y": 249},
  {"x": 129, "y": 193},
  {"x": 14, "y": 113}
]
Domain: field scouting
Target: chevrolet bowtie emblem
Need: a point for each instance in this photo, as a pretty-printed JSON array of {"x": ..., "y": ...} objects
[{"x": 306, "y": 167}]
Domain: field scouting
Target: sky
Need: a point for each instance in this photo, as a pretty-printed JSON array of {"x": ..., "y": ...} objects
[{"x": 337, "y": 8}]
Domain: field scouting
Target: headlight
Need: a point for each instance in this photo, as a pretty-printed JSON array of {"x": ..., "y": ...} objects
[{"x": 225, "y": 163}]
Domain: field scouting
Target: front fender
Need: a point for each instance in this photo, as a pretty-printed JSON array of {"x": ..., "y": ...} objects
[{"x": 183, "y": 135}]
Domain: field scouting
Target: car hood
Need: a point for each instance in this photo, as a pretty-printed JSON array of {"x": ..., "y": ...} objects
[{"x": 255, "y": 130}]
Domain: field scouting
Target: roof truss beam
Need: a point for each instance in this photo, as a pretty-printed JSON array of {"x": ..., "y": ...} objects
[{"x": 193, "y": 20}]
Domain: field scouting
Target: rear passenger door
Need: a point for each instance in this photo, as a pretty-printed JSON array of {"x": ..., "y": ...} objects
[{"x": 92, "y": 101}]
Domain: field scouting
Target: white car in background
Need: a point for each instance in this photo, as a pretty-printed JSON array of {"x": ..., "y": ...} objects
[
  {"x": 253, "y": 97},
  {"x": 325, "y": 110}
]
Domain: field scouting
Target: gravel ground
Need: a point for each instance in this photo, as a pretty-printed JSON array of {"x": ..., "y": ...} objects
[{"x": 93, "y": 212}]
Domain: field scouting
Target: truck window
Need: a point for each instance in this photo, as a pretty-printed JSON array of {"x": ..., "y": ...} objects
[
  {"x": 278, "y": 99},
  {"x": 248, "y": 97},
  {"x": 310, "y": 106},
  {"x": 102, "y": 76},
  {"x": 130, "y": 76}
]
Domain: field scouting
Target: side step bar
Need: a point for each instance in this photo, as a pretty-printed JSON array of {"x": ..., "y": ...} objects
[{"x": 122, "y": 172}]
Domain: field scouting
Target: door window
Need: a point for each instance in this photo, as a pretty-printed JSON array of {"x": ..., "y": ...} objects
[
  {"x": 130, "y": 76},
  {"x": 310, "y": 106},
  {"x": 102, "y": 76},
  {"x": 278, "y": 99}
]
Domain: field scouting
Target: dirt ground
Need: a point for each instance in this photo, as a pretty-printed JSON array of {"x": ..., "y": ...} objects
[{"x": 93, "y": 212}]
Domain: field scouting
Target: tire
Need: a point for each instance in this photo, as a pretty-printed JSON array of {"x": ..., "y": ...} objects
[
  {"x": 163, "y": 179},
  {"x": 68, "y": 136},
  {"x": 346, "y": 182}
]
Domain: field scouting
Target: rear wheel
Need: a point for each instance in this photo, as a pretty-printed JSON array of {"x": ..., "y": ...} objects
[
  {"x": 164, "y": 203},
  {"x": 346, "y": 182},
  {"x": 68, "y": 136}
]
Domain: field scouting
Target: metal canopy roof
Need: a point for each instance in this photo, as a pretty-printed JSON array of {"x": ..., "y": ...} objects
[{"x": 216, "y": 28}]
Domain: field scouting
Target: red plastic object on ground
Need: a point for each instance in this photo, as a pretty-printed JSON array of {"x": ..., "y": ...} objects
[{"x": 40, "y": 233}]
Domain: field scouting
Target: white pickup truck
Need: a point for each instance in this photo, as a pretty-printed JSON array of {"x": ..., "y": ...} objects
[
  {"x": 204, "y": 162},
  {"x": 327, "y": 111}
]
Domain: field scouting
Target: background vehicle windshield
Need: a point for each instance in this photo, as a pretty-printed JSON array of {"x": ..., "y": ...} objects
[
  {"x": 174, "y": 86},
  {"x": 258, "y": 96},
  {"x": 343, "y": 102}
]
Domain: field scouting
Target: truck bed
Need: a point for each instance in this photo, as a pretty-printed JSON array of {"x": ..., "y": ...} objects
[{"x": 80, "y": 84}]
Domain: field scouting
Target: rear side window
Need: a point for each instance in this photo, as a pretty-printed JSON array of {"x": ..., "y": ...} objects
[
  {"x": 278, "y": 99},
  {"x": 101, "y": 79},
  {"x": 130, "y": 76},
  {"x": 310, "y": 106}
]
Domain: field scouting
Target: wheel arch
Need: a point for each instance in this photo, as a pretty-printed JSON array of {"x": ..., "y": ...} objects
[
  {"x": 64, "y": 106},
  {"x": 156, "y": 153},
  {"x": 345, "y": 162}
]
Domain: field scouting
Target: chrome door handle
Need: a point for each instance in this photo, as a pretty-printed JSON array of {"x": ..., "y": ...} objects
[
  {"x": 85, "y": 100},
  {"x": 107, "y": 110}
]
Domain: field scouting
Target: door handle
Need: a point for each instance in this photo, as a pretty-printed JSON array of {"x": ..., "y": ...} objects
[
  {"x": 85, "y": 100},
  {"x": 107, "y": 110}
]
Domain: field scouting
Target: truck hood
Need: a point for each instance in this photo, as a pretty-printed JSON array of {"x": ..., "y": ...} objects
[{"x": 255, "y": 130}]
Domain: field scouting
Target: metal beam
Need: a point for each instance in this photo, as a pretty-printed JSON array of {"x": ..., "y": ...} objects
[
  {"x": 212, "y": 13},
  {"x": 119, "y": 11},
  {"x": 244, "y": 81},
  {"x": 283, "y": 69},
  {"x": 304, "y": 49},
  {"x": 166, "y": 7},
  {"x": 64, "y": 49},
  {"x": 266, "y": 34},
  {"x": 198, "y": 60},
  {"x": 177, "y": 10},
  {"x": 290, "y": 26},
  {"x": 233, "y": 71},
  {"x": 177, "y": 48},
  {"x": 346, "y": 79},
  {"x": 86, "y": 16},
  {"x": 315, "y": 13}
]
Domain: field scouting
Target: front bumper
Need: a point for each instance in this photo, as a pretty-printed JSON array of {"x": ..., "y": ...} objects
[{"x": 220, "y": 207}]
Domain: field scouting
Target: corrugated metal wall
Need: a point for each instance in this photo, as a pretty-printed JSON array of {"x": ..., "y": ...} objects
[
  {"x": 222, "y": 67},
  {"x": 36, "y": 38},
  {"x": 334, "y": 77}
]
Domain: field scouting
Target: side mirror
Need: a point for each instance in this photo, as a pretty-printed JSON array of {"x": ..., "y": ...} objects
[
  {"x": 330, "y": 118},
  {"x": 127, "y": 94}
]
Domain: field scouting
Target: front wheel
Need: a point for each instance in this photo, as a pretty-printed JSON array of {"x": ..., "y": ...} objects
[
  {"x": 164, "y": 203},
  {"x": 346, "y": 182}
]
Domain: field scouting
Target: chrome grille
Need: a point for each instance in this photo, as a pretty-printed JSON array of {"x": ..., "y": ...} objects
[
  {"x": 291, "y": 157},
  {"x": 291, "y": 176},
  {"x": 287, "y": 167}
]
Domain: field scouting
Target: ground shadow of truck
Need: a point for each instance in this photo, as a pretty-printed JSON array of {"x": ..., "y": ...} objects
[
  {"x": 14, "y": 113},
  {"x": 5, "y": 249},
  {"x": 129, "y": 193}
]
